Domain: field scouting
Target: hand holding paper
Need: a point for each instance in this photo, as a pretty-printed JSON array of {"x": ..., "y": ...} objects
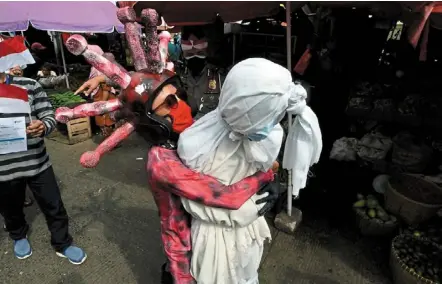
[{"x": 36, "y": 129}]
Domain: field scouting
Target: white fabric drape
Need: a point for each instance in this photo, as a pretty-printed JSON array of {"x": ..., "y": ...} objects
[{"x": 228, "y": 244}]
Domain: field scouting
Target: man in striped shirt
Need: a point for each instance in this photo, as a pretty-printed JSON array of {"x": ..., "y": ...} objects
[{"x": 33, "y": 168}]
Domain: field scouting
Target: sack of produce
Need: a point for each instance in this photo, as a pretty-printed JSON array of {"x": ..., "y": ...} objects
[
  {"x": 410, "y": 155},
  {"x": 372, "y": 218},
  {"x": 344, "y": 149},
  {"x": 415, "y": 260},
  {"x": 359, "y": 106},
  {"x": 373, "y": 147}
]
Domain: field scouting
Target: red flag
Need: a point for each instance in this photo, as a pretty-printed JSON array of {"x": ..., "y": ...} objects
[
  {"x": 13, "y": 99},
  {"x": 13, "y": 52}
]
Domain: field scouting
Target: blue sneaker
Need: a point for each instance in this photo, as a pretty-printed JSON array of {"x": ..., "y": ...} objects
[
  {"x": 74, "y": 254},
  {"x": 22, "y": 249}
]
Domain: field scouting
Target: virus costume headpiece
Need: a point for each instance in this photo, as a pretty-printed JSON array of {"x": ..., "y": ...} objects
[{"x": 142, "y": 91}]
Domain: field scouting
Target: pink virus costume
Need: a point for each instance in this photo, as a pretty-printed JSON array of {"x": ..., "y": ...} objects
[{"x": 142, "y": 93}]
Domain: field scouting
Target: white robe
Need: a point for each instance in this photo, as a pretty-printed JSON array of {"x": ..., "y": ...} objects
[{"x": 227, "y": 245}]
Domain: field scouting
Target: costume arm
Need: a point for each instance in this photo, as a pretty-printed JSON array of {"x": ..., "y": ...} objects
[
  {"x": 166, "y": 168},
  {"x": 91, "y": 159},
  {"x": 64, "y": 114}
]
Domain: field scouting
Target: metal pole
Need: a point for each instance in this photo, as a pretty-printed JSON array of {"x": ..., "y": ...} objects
[
  {"x": 234, "y": 48},
  {"x": 289, "y": 67},
  {"x": 63, "y": 59},
  {"x": 288, "y": 35},
  {"x": 56, "y": 49}
]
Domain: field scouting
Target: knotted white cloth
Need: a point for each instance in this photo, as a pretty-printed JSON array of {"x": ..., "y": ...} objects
[{"x": 257, "y": 93}]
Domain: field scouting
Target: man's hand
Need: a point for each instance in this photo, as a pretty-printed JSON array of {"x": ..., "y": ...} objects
[
  {"x": 273, "y": 190},
  {"x": 91, "y": 85},
  {"x": 36, "y": 129}
]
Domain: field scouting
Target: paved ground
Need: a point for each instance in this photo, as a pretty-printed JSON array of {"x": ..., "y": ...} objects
[{"x": 113, "y": 216}]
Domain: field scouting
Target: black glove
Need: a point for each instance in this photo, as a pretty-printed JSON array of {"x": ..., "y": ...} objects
[{"x": 273, "y": 189}]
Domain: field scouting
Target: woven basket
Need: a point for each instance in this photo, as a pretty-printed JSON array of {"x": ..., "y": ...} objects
[
  {"x": 401, "y": 272},
  {"x": 411, "y": 211},
  {"x": 374, "y": 227}
]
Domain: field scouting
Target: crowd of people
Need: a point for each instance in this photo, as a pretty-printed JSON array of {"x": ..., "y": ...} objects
[{"x": 212, "y": 181}]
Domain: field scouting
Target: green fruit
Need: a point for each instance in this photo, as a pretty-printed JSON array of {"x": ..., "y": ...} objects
[
  {"x": 382, "y": 215},
  {"x": 371, "y": 213},
  {"x": 372, "y": 203},
  {"x": 359, "y": 204}
]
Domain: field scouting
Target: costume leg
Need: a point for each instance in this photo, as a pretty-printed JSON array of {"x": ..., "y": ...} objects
[
  {"x": 175, "y": 235},
  {"x": 12, "y": 196},
  {"x": 47, "y": 194}
]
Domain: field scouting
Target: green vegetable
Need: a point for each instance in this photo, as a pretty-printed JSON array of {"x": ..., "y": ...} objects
[
  {"x": 371, "y": 213},
  {"x": 359, "y": 204}
]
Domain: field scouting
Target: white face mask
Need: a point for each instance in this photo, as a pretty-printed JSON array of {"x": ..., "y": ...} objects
[
  {"x": 194, "y": 49},
  {"x": 195, "y": 56}
]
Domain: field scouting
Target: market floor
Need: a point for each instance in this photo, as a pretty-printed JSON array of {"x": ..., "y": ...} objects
[{"x": 114, "y": 218}]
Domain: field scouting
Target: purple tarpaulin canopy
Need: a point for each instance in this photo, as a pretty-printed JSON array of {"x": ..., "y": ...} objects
[{"x": 71, "y": 16}]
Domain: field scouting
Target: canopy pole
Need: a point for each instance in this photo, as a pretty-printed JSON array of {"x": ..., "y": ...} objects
[
  {"x": 60, "y": 42},
  {"x": 288, "y": 35},
  {"x": 234, "y": 48},
  {"x": 289, "y": 67}
]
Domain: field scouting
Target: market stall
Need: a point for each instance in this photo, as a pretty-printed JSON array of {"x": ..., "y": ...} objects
[{"x": 379, "y": 106}]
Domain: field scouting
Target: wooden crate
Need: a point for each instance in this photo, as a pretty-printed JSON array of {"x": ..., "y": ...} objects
[{"x": 78, "y": 130}]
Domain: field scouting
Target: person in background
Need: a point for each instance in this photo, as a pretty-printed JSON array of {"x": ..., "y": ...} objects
[
  {"x": 46, "y": 72},
  {"x": 103, "y": 92},
  {"x": 201, "y": 79},
  {"x": 32, "y": 168},
  {"x": 39, "y": 53},
  {"x": 17, "y": 70}
]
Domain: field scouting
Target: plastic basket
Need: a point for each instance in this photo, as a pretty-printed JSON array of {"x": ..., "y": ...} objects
[{"x": 411, "y": 211}]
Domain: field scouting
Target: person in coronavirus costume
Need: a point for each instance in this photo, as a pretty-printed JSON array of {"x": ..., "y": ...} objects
[{"x": 154, "y": 104}]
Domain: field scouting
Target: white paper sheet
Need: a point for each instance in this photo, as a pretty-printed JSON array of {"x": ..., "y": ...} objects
[{"x": 13, "y": 135}]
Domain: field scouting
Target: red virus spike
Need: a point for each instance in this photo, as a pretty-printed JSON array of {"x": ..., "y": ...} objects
[
  {"x": 150, "y": 18},
  {"x": 78, "y": 45},
  {"x": 127, "y": 16}
]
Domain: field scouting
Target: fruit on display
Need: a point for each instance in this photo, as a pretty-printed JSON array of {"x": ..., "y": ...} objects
[
  {"x": 431, "y": 230},
  {"x": 419, "y": 256},
  {"x": 64, "y": 99},
  {"x": 369, "y": 208}
]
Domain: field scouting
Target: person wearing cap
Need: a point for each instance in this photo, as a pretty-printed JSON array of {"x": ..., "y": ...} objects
[{"x": 31, "y": 167}]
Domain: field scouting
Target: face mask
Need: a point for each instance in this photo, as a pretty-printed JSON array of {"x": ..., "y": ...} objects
[
  {"x": 196, "y": 65},
  {"x": 262, "y": 134},
  {"x": 194, "y": 49},
  {"x": 181, "y": 117}
]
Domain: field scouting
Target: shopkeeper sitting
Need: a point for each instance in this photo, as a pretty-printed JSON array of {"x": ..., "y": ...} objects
[{"x": 46, "y": 72}]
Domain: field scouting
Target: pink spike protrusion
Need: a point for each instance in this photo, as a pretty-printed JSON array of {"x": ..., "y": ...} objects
[
  {"x": 78, "y": 45},
  {"x": 164, "y": 37},
  {"x": 128, "y": 17},
  {"x": 64, "y": 114},
  {"x": 91, "y": 159},
  {"x": 150, "y": 18}
]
